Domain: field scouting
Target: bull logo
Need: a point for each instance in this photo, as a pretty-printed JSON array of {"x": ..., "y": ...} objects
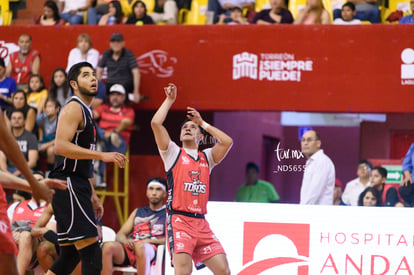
[{"x": 157, "y": 62}]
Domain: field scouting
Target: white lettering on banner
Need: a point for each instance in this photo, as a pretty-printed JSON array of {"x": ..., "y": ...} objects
[
  {"x": 6, "y": 49},
  {"x": 291, "y": 239},
  {"x": 407, "y": 68},
  {"x": 157, "y": 62},
  {"x": 270, "y": 66}
]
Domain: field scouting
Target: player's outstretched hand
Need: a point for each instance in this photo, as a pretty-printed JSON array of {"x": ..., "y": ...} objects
[
  {"x": 55, "y": 183},
  {"x": 194, "y": 115},
  {"x": 171, "y": 91},
  {"x": 118, "y": 158},
  {"x": 40, "y": 191}
]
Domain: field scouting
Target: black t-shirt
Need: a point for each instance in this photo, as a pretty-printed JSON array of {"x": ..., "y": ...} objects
[{"x": 146, "y": 20}]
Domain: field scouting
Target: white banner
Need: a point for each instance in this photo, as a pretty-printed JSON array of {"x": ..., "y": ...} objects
[{"x": 286, "y": 239}]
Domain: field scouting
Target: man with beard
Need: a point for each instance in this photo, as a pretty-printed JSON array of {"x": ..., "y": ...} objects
[
  {"x": 137, "y": 240},
  {"x": 116, "y": 122},
  {"x": 23, "y": 63},
  {"x": 75, "y": 150}
]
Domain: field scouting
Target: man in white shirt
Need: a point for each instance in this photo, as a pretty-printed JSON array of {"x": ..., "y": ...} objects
[
  {"x": 318, "y": 181},
  {"x": 355, "y": 187}
]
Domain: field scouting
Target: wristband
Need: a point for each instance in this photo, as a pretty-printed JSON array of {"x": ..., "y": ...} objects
[
  {"x": 205, "y": 125},
  {"x": 51, "y": 236}
]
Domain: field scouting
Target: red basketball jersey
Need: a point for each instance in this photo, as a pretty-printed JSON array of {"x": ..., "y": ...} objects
[
  {"x": 23, "y": 212},
  {"x": 189, "y": 184},
  {"x": 22, "y": 69}
]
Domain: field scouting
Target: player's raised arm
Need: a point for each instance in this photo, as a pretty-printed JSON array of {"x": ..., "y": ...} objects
[
  {"x": 162, "y": 138},
  {"x": 224, "y": 143}
]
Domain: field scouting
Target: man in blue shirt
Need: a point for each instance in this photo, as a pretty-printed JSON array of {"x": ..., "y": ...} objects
[
  {"x": 7, "y": 86},
  {"x": 409, "y": 19}
]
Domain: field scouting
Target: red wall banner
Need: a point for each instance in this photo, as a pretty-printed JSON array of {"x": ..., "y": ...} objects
[{"x": 301, "y": 68}]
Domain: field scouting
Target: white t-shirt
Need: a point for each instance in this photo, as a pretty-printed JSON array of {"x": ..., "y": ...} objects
[
  {"x": 352, "y": 191},
  {"x": 340, "y": 21},
  {"x": 75, "y": 56}
]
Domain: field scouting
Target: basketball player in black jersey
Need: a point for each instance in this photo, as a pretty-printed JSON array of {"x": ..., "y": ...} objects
[{"x": 75, "y": 150}]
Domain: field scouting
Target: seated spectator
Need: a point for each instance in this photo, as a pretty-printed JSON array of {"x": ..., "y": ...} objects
[
  {"x": 389, "y": 194},
  {"x": 95, "y": 13},
  {"x": 354, "y": 188},
  {"x": 401, "y": 204},
  {"x": 26, "y": 141},
  {"x": 19, "y": 196},
  {"x": 23, "y": 216},
  {"x": 277, "y": 14},
  {"x": 137, "y": 240},
  {"x": 227, "y": 5},
  {"x": 236, "y": 17},
  {"x": 59, "y": 86},
  {"x": 408, "y": 19},
  {"x": 47, "y": 132},
  {"x": 348, "y": 13},
  {"x": 73, "y": 10},
  {"x": 37, "y": 93},
  {"x": 116, "y": 122},
  {"x": 50, "y": 15},
  {"x": 121, "y": 65},
  {"x": 165, "y": 11},
  {"x": 113, "y": 16},
  {"x": 337, "y": 193},
  {"x": 7, "y": 87},
  {"x": 406, "y": 189},
  {"x": 370, "y": 197},
  {"x": 366, "y": 10},
  {"x": 139, "y": 15},
  {"x": 313, "y": 13},
  {"x": 24, "y": 62},
  {"x": 83, "y": 52},
  {"x": 256, "y": 190},
  {"x": 19, "y": 102}
]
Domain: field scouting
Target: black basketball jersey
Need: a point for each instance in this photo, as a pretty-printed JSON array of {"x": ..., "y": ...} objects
[{"x": 85, "y": 138}]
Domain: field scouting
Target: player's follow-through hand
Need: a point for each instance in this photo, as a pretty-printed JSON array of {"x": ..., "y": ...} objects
[
  {"x": 171, "y": 91},
  {"x": 42, "y": 191}
]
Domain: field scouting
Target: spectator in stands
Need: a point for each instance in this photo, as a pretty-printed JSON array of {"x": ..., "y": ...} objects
[
  {"x": 313, "y": 13},
  {"x": 366, "y": 10},
  {"x": 348, "y": 13},
  {"x": 95, "y": 13},
  {"x": 338, "y": 193},
  {"x": 50, "y": 15},
  {"x": 277, "y": 14},
  {"x": 19, "y": 196},
  {"x": 19, "y": 102},
  {"x": 7, "y": 87},
  {"x": 23, "y": 216},
  {"x": 401, "y": 204},
  {"x": 113, "y": 16},
  {"x": 47, "y": 131},
  {"x": 227, "y": 5},
  {"x": 139, "y": 15},
  {"x": 116, "y": 122},
  {"x": 256, "y": 190},
  {"x": 370, "y": 197},
  {"x": 408, "y": 19},
  {"x": 121, "y": 65},
  {"x": 319, "y": 177},
  {"x": 137, "y": 240},
  {"x": 26, "y": 141},
  {"x": 37, "y": 93},
  {"x": 59, "y": 86},
  {"x": 24, "y": 62},
  {"x": 83, "y": 52},
  {"x": 389, "y": 194},
  {"x": 354, "y": 188},
  {"x": 165, "y": 11},
  {"x": 73, "y": 10},
  {"x": 236, "y": 17},
  {"x": 406, "y": 189}
]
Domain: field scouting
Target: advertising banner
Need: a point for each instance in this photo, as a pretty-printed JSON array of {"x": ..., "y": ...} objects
[{"x": 288, "y": 239}]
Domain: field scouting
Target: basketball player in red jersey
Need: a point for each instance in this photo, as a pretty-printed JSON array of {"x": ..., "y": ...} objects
[
  {"x": 8, "y": 249},
  {"x": 188, "y": 174}
]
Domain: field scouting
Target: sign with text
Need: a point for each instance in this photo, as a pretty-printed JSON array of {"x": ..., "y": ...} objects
[
  {"x": 286, "y": 239},
  {"x": 313, "y": 68}
]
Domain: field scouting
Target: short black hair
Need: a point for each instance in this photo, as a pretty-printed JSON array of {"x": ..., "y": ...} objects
[
  {"x": 2, "y": 64},
  {"x": 17, "y": 111},
  {"x": 158, "y": 179},
  {"x": 374, "y": 192},
  {"x": 75, "y": 70},
  {"x": 24, "y": 194},
  {"x": 202, "y": 131},
  {"x": 38, "y": 172},
  {"x": 381, "y": 170},
  {"x": 364, "y": 161},
  {"x": 349, "y": 5},
  {"x": 252, "y": 165}
]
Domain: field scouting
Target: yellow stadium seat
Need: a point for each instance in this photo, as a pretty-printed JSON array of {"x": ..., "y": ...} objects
[
  {"x": 295, "y": 6},
  {"x": 195, "y": 16},
  {"x": 6, "y": 13},
  {"x": 150, "y": 5},
  {"x": 402, "y": 5},
  {"x": 262, "y": 5}
]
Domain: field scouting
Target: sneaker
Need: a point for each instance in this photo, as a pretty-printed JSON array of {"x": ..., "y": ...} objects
[
  {"x": 115, "y": 140},
  {"x": 100, "y": 185}
]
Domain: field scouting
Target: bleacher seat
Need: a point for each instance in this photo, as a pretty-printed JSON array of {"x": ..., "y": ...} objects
[
  {"x": 6, "y": 13},
  {"x": 196, "y": 15},
  {"x": 261, "y": 5},
  {"x": 295, "y": 6}
]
